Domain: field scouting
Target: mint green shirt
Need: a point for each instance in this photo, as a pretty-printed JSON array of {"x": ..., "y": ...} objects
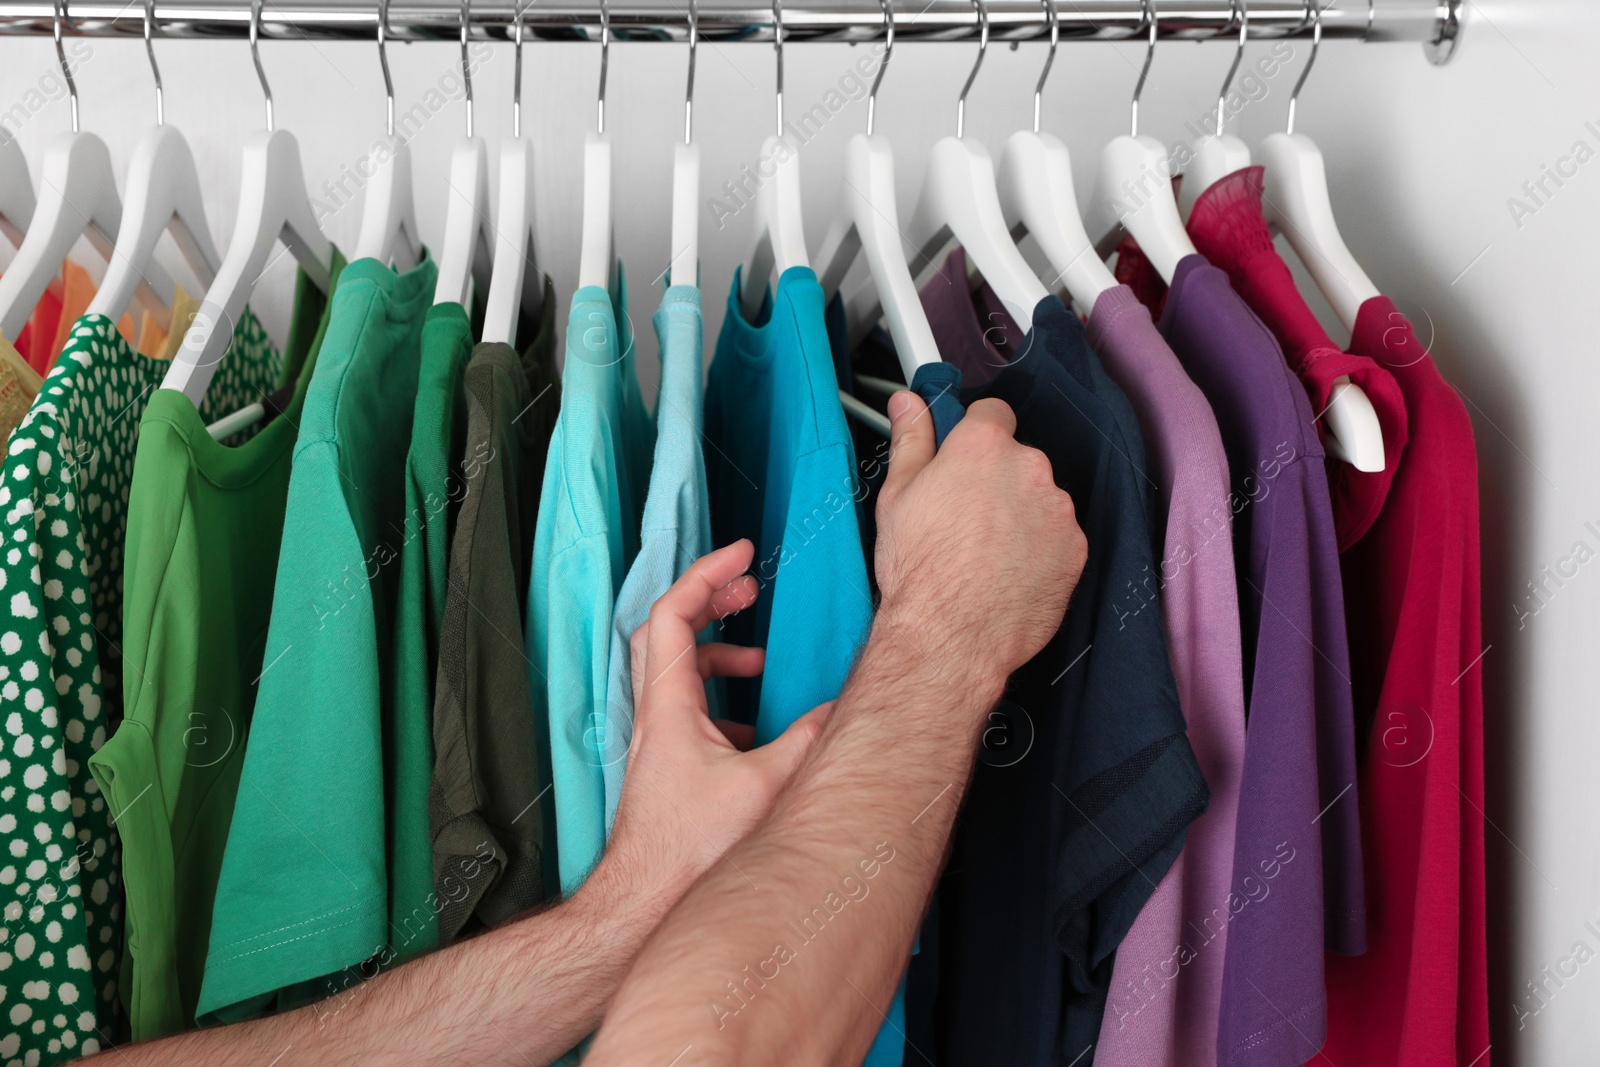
[
  {"x": 586, "y": 536},
  {"x": 304, "y": 890}
]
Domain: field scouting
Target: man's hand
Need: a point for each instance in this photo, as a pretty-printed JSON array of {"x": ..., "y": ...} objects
[
  {"x": 977, "y": 547},
  {"x": 691, "y": 792}
]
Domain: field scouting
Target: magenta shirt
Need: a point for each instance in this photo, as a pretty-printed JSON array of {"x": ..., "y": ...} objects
[{"x": 1166, "y": 988}]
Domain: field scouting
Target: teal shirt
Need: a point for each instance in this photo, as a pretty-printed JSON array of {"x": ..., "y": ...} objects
[
  {"x": 303, "y": 894},
  {"x": 587, "y": 535},
  {"x": 782, "y": 472},
  {"x": 676, "y": 528}
]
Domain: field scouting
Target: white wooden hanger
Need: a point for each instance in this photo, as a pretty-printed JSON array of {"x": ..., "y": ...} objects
[
  {"x": 515, "y": 282},
  {"x": 684, "y": 267},
  {"x": 163, "y": 194},
  {"x": 597, "y": 253},
  {"x": 16, "y": 191},
  {"x": 273, "y": 207},
  {"x": 1133, "y": 190},
  {"x": 1037, "y": 196},
  {"x": 780, "y": 232},
  {"x": 867, "y": 223},
  {"x": 1217, "y": 155},
  {"x": 466, "y": 253},
  {"x": 1296, "y": 202},
  {"x": 960, "y": 201},
  {"x": 78, "y": 198},
  {"x": 389, "y": 231}
]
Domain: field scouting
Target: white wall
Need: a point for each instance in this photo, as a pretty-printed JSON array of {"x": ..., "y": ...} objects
[{"x": 1422, "y": 161}]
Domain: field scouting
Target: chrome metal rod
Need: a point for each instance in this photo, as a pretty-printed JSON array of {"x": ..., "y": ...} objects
[{"x": 1426, "y": 21}]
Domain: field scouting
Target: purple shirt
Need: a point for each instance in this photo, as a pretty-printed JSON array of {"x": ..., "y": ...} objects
[
  {"x": 1166, "y": 988},
  {"x": 1297, "y": 849}
]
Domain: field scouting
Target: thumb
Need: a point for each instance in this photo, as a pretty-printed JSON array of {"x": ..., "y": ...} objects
[
  {"x": 784, "y": 754},
  {"x": 910, "y": 441}
]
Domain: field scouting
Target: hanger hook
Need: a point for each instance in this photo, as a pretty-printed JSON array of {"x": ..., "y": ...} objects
[
  {"x": 60, "y": 7},
  {"x": 516, "y": 76},
  {"x": 888, "y": 53},
  {"x": 1314, "y": 11},
  {"x": 1053, "y": 19},
  {"x": 1243, "y": 11},
  {"x": 255, "y": 54},
  {"x": 1153, "y": 22},
  {"x": 150, "y": 50},
  {"x": 605, "y": 62},
  {"x": 466, "y": 66},
  {"x": 383, "y": 60},
  {"x": 983, "y": 47},
  {"x": 777, "y": 45},
  {"x": 688, "y": 92}
]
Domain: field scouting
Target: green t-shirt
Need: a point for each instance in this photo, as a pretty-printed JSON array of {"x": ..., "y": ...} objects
[
  {"x": 487, "y": 779},
  {"x": 434, "y": 489},
  {"x": 304, "y": 890},
  {"x": 204, "y": 521},
  {"x": 63, "y": 499}
]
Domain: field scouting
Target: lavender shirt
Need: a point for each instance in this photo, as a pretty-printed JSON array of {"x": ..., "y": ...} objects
[
  {"x": 1297, "y": 849},
  {"x": 1166, "y": 988}
]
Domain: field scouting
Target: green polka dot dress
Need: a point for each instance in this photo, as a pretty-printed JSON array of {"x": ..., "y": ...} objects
[{"x": 64, "y": 504}]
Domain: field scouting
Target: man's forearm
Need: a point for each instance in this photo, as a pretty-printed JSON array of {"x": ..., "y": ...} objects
[
  {"x": 523, "y": 995},
  {"x": 789, "y": 952}
]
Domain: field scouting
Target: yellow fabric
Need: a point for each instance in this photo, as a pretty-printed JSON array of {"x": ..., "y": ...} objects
[
  {"x": 184, "y": 307},
  {"x": 19, "y": 384}
]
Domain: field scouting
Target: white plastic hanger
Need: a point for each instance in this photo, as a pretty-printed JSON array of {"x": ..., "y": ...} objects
[
  {"x": 1217, "y": 155},
  {"x": 78, "y": 198},
  {"x": 1037, "y": 195},
  {"x": 273, "y": 207},
  {"x": 16, "y": 191},
  {"x": 597, "y": 253},
  {"x": 466, "y": 253},
  {"x": 780, "y": 242},
  {"x": 389, "y": 231},
  {"x": 1133, "y": 190},
  {"x": 163, "y": 193},
  {"x": 515, "y": 282},
  {"x": 1296, "y": 201},
  {"x": 684, "y": 267},
  {"x": 867, "y": 223},
  {"x": 961, "y": 201}
]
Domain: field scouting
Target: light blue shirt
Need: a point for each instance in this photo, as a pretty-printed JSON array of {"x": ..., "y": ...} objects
[
  {"x": 677, "y": 515},
  {"x": 586, "y": 536},
  {"x": 782, "y": 472}
]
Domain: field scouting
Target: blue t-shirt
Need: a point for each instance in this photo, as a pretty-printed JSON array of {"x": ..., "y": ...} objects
[
  {"x": 782, "y": 472},
  {"x": 676, "y": 529},
  {"x": 586, "y": 535}
]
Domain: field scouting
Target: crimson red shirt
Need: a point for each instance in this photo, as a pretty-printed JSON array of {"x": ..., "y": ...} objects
[
  {"x": 1419, "y": 996},
  {"x": 1229, "y": 229}
]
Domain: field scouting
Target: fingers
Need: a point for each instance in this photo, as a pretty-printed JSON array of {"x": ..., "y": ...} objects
[
  {"x": 729, "y": 600},
  {"x": 741, "y": 735},
  {"x": 716, "y": 659},
  {"x": 784, "y": 754},
  {"x": 671, "y": 668},
  {"x": 989, "y": 413},
  {"x": 911, "y": 443}
]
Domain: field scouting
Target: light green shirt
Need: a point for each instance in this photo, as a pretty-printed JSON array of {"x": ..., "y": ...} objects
[
  {"x": 202, "y": 516},
  {"x": 304, "y": 891}
]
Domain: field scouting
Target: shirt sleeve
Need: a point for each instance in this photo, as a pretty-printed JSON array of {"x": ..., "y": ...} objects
[{"x": 303, "y": 892}]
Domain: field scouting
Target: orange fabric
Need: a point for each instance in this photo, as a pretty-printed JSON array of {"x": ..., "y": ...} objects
[{"x": 77, "y": 290}]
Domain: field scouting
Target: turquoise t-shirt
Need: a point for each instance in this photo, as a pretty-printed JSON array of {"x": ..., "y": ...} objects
[
  {"x": 782, "y": 472},
  {"x": 586, "y": 536},
  {"x": 676, "y": 529},
  {"x": 304, "y": 892}
]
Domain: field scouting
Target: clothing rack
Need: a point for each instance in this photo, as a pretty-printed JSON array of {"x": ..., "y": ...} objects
[{"x": 1435, "y": 23}]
